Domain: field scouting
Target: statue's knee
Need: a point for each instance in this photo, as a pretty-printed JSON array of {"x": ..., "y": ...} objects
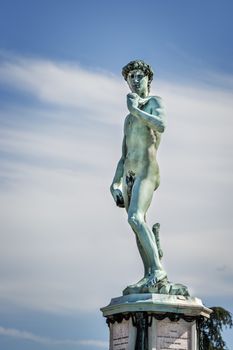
[{"x": 134, "y": 220}]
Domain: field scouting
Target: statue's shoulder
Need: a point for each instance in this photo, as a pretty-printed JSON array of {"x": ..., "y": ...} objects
[{"x": 157, "y": 100}]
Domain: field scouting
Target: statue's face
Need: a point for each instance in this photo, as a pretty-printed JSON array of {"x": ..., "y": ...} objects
[{"x": 138, "y": 82}]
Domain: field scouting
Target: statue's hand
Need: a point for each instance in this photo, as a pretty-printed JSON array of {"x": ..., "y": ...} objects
[
  {"x": 118, "y": 198},
  {"x": 132, "y": 101}
]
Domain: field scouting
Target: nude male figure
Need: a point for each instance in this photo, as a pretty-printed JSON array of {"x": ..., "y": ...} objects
[{"x": 137, "y": 173}]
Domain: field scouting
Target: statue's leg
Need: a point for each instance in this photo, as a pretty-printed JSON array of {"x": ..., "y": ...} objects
[
  {"x": 146, "y": 262},
  {"x": 127, "y": 192},
  {"x": 141, "y": 197}
]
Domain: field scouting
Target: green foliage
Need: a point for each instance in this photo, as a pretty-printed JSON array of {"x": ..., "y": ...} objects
[{"x": 211, "y": 337}]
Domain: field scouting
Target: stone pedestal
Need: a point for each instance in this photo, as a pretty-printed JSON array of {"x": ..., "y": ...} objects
[{"x": 154, "y": 322}]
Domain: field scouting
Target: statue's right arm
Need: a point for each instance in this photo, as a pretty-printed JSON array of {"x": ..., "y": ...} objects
[{"x": 117, "y": 180}]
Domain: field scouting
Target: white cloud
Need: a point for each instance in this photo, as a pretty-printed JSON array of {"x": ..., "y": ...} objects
[
  {"x": 65, "y": 85},
  {"x": 64, "y": 244},
  {"x": 23, "y": 335}
]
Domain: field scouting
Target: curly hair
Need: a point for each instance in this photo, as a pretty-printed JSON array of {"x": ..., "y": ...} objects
[{"x": 138, "y": 64}]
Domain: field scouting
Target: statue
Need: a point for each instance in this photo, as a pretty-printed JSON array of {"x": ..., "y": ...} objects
[{"x": 137, "y": 175}]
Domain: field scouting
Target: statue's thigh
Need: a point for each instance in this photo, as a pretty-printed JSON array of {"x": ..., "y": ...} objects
[{"x": 141, "y": 196}]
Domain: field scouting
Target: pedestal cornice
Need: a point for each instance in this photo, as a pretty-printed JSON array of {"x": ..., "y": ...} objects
[{"x": 156, "y": 303}]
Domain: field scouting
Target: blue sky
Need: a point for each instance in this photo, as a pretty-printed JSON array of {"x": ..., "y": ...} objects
[{"x": 65, "y": 248}]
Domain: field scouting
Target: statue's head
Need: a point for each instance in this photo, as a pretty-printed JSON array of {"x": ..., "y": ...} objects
[{"x": 138, "y": 65}]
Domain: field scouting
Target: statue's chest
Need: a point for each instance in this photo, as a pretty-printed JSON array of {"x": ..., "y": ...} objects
[
  {"x": 135, "y": 125},
  {"x": 137, "y": 130}
]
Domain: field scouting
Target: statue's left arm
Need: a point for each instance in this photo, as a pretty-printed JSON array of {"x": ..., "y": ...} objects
[{"x": 155, "y": 119}]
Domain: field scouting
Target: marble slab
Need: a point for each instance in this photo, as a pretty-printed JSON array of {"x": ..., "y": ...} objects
[
  {"x": 174, "y": 335},
  {"x": 122, "y": 335}
]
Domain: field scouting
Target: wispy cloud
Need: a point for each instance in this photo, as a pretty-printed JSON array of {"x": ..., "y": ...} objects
[
  {"x": 59, "y": 153},
  {"x": 65, "y": 86},
  {"x": 23, "y": 335}
]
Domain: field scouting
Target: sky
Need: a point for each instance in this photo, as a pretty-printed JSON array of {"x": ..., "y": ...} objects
[{"x": 66, "y": 249}]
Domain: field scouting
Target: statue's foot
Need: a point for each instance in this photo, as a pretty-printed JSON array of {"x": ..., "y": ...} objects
[
  {"x": 155, "y": 277},
  {"x": 155, "y": 281},
  {"x": 135, "y": 288},
  {"x": 178, "y": 289},
  {"x": 151, "y": 283},
  {"x": 165, "y": 287}
]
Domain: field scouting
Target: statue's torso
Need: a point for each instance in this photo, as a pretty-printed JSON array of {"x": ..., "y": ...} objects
[{"x": 141, "y": 146}]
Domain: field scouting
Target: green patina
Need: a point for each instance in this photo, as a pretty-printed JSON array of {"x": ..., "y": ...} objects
[{"x": 137, "y": 175}]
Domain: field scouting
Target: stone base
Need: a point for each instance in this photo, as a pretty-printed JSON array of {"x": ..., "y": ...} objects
[{"x": 154, "y": 322}]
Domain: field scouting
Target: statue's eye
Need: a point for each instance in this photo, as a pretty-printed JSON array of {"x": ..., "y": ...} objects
[{"x": 132, "y": 76}]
